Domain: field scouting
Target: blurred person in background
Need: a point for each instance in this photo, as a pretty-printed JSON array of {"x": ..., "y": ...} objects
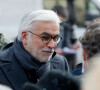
[
  {"x": 3, "y": 41},
  {"x": 91, "y": 45},
  {"x": 68, "y": 45},
  {"x": 3, "y": 87},
  {"x": 55, "y": 80},
  {"x": 92, "y": 76},
  {"x": 33, "y": 51}
]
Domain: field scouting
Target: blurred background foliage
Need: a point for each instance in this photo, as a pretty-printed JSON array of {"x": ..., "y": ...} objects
[{"x": 84, "y": 10}]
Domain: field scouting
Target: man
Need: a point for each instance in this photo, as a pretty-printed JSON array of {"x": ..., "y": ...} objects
[{"x": 32, "y": 53}]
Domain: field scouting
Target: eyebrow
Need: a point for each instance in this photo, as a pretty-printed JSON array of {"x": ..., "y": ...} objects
[{"x": 45, "y": 33}]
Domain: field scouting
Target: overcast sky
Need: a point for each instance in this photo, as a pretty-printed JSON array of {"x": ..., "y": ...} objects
[{"x": 11, "y": 12}]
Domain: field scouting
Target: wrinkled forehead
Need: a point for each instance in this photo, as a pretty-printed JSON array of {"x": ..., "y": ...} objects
[
  {"x": 51, "y": 27},
  {"x": 44, "y": 22}
]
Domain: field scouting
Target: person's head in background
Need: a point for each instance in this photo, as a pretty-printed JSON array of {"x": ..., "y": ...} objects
[
  {"x": 61, "y": 11},
  {"x": 91, "y": 41},
  {"x": 54, "y": 80},
  {"x": 39, "y": 33},
  {"x": 58, "y": 80},
  {"x": 4, "y": 87},
  {"x": 92, "y": 77}
]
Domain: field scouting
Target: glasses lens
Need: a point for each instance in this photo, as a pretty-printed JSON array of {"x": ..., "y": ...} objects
[
  {"x": 46, "y": 38},
  {"x": 57, "y": 39}
]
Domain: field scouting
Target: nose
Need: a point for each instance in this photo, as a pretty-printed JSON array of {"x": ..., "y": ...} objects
[{"x": 52, "y": 44}]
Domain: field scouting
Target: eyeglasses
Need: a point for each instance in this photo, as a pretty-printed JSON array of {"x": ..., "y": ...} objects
[{"x": 46, "y": 38}]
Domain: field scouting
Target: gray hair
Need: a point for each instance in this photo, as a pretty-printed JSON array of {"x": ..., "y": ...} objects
[
  {"x": 42, "y": 15},
  {"x": 91, "y": 39}
]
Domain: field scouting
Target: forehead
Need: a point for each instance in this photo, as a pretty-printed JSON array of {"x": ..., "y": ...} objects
[{"x": 50, "y": 27}]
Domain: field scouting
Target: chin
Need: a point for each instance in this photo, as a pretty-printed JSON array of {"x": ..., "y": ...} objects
[{"x": 45, "y": 59}]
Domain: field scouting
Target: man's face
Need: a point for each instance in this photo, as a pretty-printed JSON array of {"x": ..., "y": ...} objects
[{"x": 35, "y": 46}]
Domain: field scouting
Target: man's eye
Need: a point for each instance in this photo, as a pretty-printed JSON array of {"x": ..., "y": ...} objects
[
  {"x": 56, "y": 37},
  {"x": 45, "y": 37}
]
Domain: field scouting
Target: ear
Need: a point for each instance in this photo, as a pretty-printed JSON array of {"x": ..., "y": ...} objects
[
  {"x": 24, "y": 37},
  {"x": 84, "y": 58},
  {"x": 84, "y": 54}
]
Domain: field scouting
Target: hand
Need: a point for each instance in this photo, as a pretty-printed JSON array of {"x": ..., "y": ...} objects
[{"x": 75, "y": 46}]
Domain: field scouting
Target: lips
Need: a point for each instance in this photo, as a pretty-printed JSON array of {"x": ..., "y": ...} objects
[{"x": 48, "y": 52}]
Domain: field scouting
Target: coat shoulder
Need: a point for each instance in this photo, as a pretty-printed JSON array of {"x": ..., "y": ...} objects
[
  {"x": 5, "y": 55},
  {"x": 59, "y": 62},
  {"x": 59, "y": 58}
]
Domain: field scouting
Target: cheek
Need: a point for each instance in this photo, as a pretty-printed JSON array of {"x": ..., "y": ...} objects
[{"x": 38, "y": 44}]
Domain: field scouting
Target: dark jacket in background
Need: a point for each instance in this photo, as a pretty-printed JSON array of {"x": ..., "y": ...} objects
[
  {"x": 15, "y": 68},
  {"x": 67, "y": 34},
  {"x": 3, "y": 41}
]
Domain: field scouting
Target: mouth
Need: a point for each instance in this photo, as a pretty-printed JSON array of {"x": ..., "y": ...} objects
[{"x": 48, "y": 52}]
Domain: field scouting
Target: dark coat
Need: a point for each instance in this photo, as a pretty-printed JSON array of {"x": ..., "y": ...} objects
[{"x": 13, "y": 75}]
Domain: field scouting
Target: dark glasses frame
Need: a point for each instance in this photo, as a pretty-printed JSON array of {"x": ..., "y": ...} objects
[{"x": 48, "y": 38}]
